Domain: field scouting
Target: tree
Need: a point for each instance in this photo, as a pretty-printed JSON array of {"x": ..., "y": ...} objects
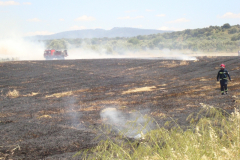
[
  {"x": 58, "y": 44},
  {"x": 133, "y": 41},
  {"x": 187, "y": 31},
  {"x": 109, "y": 50},
  {"x": 226, "y": 26},
  {"x": 140, "y": 37},
  {"x": 235, "y": 37},
  {"x": 155, "y": 41},
  {"x": 232, "y": 31},
  {"x": 150, "y": 45},
  {"x": 94, "y": 41}
]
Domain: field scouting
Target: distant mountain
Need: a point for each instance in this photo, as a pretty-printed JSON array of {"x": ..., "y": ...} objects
[{"x": 99, "y": 33}]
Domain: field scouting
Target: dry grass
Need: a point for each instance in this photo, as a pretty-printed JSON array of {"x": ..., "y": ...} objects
[
  {"x": 213, "y": 136},
  {"x": 157, "y": 114},
  {"x": 108, "y": 109},
  {"x": 3, "y": 115},
  {"x": 64, "y": 66},
  {"x": 237, "y": 101},
  {"x": 171, "y": 64},
  {"x": 44, "y": 116},
  {"x": 13, "y": 94},
  {"x": 31, "y": 94},
  {"x": 89, "y": 109},
  {"x": 64, "y": 94},
  {"x": 58, "y": 95},
  {"x": 142, "y": 89},
  {"x": 204, "y": 80},
  {"x": 237, "y": 68},
  {"x": 130, "y": 69}
]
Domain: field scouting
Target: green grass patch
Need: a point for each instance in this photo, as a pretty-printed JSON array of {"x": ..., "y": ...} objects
[{"x": 212, "y": 134}]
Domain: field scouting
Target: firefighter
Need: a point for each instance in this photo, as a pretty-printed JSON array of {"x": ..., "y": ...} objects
[{"x": 223, "y": 74}]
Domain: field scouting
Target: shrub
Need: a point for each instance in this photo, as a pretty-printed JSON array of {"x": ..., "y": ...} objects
[
  {"x": 232, "y": 31},
  {"x": 226, "y": 26},
  {"x": 235, "y": 37},
  {"x": 133, "y": 41}
]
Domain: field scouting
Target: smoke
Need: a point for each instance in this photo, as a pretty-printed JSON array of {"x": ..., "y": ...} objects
[
  {"x": 176, "y": 55},
  {"x": 132, "y": 125},
  {"x": 20, "y": 49},
  {"x": 73, "y": 113},
  {"x": 102, "y": 53}
]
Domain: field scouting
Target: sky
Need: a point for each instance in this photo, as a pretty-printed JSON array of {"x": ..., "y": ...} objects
[{"x": 44, "y": 17}]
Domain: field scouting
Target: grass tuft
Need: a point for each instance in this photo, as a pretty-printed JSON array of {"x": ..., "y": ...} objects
[
  {"x": 13, "y": 94},
  {"x": 213, "y": 134}
]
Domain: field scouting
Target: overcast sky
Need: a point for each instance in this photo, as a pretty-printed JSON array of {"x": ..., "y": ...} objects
[{"x": 41, "y": 17}]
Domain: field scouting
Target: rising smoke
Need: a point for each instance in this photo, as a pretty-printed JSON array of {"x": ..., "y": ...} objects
[
  {"x": 73, "y": 113},
  {"x": 20, "y": 49},
  {"x": 131, "y": 125},
  {"x": 78, "y": 53}
]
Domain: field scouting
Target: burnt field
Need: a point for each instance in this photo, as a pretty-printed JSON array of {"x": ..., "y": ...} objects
[{"x": 56, "y": 110}]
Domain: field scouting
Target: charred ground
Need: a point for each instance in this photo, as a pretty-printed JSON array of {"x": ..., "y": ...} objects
[{"x": 59, "y": 102}]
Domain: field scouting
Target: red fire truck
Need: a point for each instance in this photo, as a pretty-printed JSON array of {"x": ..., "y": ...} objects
[{"x": 55, "y": 54}]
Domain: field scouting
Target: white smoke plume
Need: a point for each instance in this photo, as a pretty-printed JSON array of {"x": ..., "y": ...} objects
[
  {"x": 132, "y": 125},
  {"x": 20, "y": 49},
  {"x": 73, "y": 113},
  {"x": 80, "y": 53}
]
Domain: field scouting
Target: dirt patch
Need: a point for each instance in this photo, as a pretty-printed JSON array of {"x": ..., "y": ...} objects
[
  {"x": 142, "y": 89},
  {"x": 64, "y": 94}
]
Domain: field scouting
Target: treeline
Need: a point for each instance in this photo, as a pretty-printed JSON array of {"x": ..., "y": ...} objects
[{"x": 224, "y": 38}]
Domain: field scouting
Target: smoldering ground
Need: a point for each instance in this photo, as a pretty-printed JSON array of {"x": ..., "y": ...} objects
[
  {"x": 132, "y": 125},
  {"x": 54, "y": 98}
]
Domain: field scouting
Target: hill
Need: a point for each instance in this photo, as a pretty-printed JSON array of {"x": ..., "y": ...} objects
[{"x": 100, "y": 33}]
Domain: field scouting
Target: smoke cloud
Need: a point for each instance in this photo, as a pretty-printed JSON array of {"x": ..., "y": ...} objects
[
  {"x": 79, "y": 53},
  {"x": 20, "y": 49},
  {"x": 132, "y": 125},
  {"x": 75, "y": 115}
]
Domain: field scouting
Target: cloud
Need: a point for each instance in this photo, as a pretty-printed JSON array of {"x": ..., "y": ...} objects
[
  {"x": 130, "y": 11},
  {"x": 27, "y": 3},
  {"x": 128, "y": 17},
  {"x": 39, "y": 33},
  {"x": 164, "y": 28},
  {"x": 230, "y": 15},
  {"x": 61, "y": 19},
  {"x": 8, "y": 3},
  {"x": 34, "y": 20},
  {"x": 149, "y": 10},
  {"x": 85, "y": 18},
  {"x": 181, "y": 20},
  {"x": 77, "y": 27},
  {"x": 161, "y": 15}
]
